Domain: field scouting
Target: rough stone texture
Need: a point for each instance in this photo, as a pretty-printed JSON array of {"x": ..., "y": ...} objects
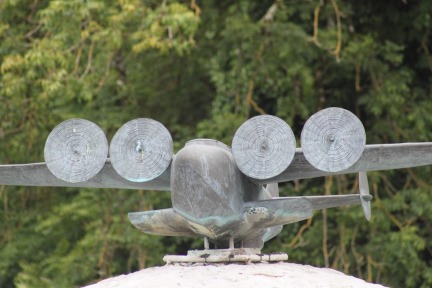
[{"x": 235, "y": 275}]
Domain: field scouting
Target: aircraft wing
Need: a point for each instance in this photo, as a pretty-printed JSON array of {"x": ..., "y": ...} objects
[
  {"x": 277, "y": 211},
  {"x": 375, "y": 157},
  {"x": 165, "y": 222},
  {"x": 38, "y": 174}
]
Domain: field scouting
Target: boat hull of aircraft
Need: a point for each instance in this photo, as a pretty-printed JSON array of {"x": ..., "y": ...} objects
[{"x": 213, "y": 199}]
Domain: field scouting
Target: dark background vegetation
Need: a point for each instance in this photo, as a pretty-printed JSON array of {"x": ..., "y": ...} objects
[{"x": 202, "y": 68}]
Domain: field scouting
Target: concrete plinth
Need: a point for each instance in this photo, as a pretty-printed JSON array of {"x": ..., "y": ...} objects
[{"x": 236, "y": 275}]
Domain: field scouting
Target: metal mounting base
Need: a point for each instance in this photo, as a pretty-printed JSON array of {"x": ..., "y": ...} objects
[{"x": 240, "y": 255}]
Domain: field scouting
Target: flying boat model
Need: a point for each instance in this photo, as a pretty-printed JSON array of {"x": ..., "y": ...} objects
[{"x": 228, "y": 196}]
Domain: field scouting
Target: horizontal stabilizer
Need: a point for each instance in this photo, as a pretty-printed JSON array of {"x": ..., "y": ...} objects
[
  {"x": 278, "y": 211},
  {"x": 331, "y": 201},
  {"x": 38, "y": 174},
  {"x": 165, "y": 222}
]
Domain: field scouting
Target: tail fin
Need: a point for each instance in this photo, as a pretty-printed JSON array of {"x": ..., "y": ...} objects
[{"x": 365, "y": 196}]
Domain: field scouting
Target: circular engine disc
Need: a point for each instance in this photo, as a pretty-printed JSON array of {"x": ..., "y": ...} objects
[
  {"x": 263, "y": 146},
  {"x": 141, "y": 150},
  {"x": 333, "y": 139},
  {"x": 76, "y": 150}
]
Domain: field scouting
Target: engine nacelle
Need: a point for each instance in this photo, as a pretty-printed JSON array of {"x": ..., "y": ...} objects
[
  {"x": 141, "y": 150},
  {"x": 333, "y": 139},
  {"x": 263, "y": 146},
  {"x": 76, "y": 150}
]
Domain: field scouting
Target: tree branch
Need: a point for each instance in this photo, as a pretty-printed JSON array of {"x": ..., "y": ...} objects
[
  {"x": 339, "y": 30},
  {"x": 300, "y": 232},
  {"x": 250, "y": 101},
  {"x": 89, "y": 59},
  {"x": 271, "y": 12},
  {"x": 315, "y": 25}
]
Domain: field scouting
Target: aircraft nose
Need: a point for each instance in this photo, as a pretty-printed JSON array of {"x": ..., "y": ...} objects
[{"x": 205, "y": 183}]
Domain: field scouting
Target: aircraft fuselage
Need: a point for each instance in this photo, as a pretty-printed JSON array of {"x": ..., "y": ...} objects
[{"x": 209, "y": 191}]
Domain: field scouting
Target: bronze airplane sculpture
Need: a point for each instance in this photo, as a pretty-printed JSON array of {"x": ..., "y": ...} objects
[{"x": 229, "y": 197}]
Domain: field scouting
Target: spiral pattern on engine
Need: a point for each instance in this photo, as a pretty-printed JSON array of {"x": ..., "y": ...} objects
[
  {"x": 333, "y": 139},
  {"x": 141, "y": 150},
  {"x": 263, "y": 146},
  {"x": 76, "y": 150}
]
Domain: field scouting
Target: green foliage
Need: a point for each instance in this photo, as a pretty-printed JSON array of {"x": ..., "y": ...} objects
[
  {"x": 173, "y": 20},
  {"x": 203, "y": 68}
]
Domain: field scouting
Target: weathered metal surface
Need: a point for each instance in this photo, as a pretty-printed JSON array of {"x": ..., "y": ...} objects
[
  {"x": 207, "y": 189},
  {"x": 208, "y": 195},
  {"x": 165, "y": 222},
  {"x": 263, "y": 219},
  {"x": 364, "y": 194},
  {"x": 76, "y": 150},
  {"x": 278, "y": 211},
  {"x": 245, "y": 255},
  {"x": 333, "y": 139},
  {"x": 141, "y": 150},
  {"x": 211, "y": 197},
  {"x": 263, "y": 146},
  {"x": 273, "y": 189},
  {"x": 331, "y": 201},
  {"x": 375, "y": 157},
  {"x": 38, "y": 174},
  {"x": 217, "y": 202}
]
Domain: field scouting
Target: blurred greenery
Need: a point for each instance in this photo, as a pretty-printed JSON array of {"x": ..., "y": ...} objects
[{"x": 202, "y": 68}]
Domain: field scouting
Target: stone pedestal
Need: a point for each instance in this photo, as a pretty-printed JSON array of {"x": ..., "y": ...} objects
[{"x": 276, "y": 275}]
